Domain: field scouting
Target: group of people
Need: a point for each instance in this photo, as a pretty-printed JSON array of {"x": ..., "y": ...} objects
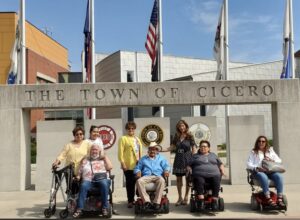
[{"x": 89, "y": 161}]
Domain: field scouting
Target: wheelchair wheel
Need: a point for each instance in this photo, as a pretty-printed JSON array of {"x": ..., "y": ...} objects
[
  {"x": 110, "y": 211},
  {"x": 285, "y": 201},
  {"x": 64, "y": 213},
  {"x": 221, "y": 204},
  {"x": 137, "y": 209},
  {"x": 254, "y": 204},
  {"x": 48, "y": 213},
  {"x": 192, "y": 205},
  {"x": 166, "y": 206}
]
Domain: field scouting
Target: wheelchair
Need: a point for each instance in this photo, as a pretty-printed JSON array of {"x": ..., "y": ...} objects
[
  {"x": 92, "y": 204},
  {"x": 208, "y": 199},
  {"x": 258, "y": 200},
  {"x": 140, "y": 208}
]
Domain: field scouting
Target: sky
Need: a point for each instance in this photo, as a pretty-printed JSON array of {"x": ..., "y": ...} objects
[{"x": 188, "y": 26}]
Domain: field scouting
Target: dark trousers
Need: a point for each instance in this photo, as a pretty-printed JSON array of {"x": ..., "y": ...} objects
[
  {"x": 130, "y": 184},
  {"x": 214, "y": 184}
]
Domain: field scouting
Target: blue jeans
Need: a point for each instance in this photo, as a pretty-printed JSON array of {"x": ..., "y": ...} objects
[
  {"x": 263, "y": 179},
  {"x": 103, "y": 185}
]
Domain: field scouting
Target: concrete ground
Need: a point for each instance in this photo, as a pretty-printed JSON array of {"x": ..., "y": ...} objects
[{"x": 31, "y": 204}]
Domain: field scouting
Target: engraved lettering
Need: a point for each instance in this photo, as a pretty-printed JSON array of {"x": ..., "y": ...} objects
[
  {"x": 268, "y": 90},
  {"x": 117, "y": 92},
  {"x": 160, "y": 92},
  {"x": 134, "y": 92},
  {"x": 60, "y": 95},
  {"x": 252, "y": 90},
  {"x": 223, "y": 93},
  {"x": 213, "y": 89},
  {"x": 239, "y": 91},
  {"x": 174, "y": 92},
  {"x": 100, "y": 94},
  {"x": 202, "y": 92},
  {"x": 30, "y": 93},
  {"x": 44, "y": 95},
  {"x": 85, "y": 93}
]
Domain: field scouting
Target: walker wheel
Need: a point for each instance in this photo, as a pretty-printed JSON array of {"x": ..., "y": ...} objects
[
  {"x": 48, "y": 213},
  {"x": 63, "y": 213}
]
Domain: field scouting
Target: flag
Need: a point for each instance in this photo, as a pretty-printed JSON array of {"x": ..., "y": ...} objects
[
  {"x": 15, "y": 57},
  {"x": 152, "y": 41},
  {"x": 219, "y": 45},
  {"x": 286, "y": 50},
  {"x": 152, "y": 46},
  {"x": 87, "y": 44},
  {"x": 87, "y": 51}
]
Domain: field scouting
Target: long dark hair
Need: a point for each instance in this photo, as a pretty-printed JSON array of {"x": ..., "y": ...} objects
[
  {"x": 256, "y": 147},
  {"x": 178, "y": 133}
]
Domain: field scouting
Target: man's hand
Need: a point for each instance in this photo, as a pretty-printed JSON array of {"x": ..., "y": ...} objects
[
  {"x": 138, "y": 174},
  {"x": 188, "y": 170},
  {"x": 166, "y": 174},
  {"x": 260, "y": 169}
]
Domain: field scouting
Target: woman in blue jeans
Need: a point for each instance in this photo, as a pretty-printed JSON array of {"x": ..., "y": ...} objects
[
  {"x": 262, "y": 150},
  {"x": 90, "y": 168}
]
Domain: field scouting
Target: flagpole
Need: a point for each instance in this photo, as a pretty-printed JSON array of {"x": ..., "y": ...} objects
[
  {"x": 23, "y": 42},
  {"x": 226, "y": 73},
  {"x": 291, "y": 38},
  {"x": 160, "y": 40},
  {"x": 93, "y": 77}
]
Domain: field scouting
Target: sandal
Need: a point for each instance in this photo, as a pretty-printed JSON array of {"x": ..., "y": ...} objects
[
  {"x": 271, "y": 202},
  {"x": 280, "y": 201},
  {"x": 184, "y": 202},
  {"x": 77, "y": 213},
  {"x": 179, "y": 202}
]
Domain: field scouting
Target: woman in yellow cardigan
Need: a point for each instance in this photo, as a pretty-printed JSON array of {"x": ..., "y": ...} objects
[
  {"x": 74, "y": 151},
  {"x": 129, "y": 153}
]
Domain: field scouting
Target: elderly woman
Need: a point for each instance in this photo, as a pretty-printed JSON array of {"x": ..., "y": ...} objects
[
  {"x": 206, "y": 167},
  {"x": 262, "y": 150},
  {"x": 94, "y": 171},
  {"x": 95, "y": 138},
  {"x": 74, "y": 151}
]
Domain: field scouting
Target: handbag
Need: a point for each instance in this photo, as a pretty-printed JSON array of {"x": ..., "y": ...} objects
[{"x": 272, "y": 166}]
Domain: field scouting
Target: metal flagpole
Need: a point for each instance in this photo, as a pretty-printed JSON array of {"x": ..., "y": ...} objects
[
  {"x": 23, "y": 42},
  {"x": 160, "y": 40},
  {"x": 93, "y": 77},
  {"x": 225, "y": 68},
  {"x": 291, "y": 38}
]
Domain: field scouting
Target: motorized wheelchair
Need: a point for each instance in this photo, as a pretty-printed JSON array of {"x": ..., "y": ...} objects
[
  {"x": 258, "y": 200},
  {"x": 92, "y": 204},
  {"x": 140, "y": 207},
  {"x": 208, "y": 199}
]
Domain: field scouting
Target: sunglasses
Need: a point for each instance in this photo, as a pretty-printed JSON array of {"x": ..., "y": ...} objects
[
  {"x": 130, "y": 128},
  {"x": 261, "y": 141},
  {"x": 78, "y": 134}
]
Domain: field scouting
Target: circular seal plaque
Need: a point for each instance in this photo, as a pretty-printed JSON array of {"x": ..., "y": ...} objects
[
  {"x": 151, "y": 133},
  {"x": 200, "y": 132},
  {"x": 108, "y": 136}
]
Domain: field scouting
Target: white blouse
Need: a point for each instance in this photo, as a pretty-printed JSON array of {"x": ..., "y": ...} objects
[{"x": 254, "y": 159}]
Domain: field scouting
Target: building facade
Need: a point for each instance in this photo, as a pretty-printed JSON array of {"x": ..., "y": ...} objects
[{"x": 121, "y": 65}]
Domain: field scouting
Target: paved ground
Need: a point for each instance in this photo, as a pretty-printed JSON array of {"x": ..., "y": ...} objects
[{"x": 31, "y": 204}]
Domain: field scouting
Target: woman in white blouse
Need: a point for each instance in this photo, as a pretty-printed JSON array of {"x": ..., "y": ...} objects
[{"x": 262, "y": 150}]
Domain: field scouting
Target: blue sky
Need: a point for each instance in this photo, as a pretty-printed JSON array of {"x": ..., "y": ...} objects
[{"x": 255, "y": 26}]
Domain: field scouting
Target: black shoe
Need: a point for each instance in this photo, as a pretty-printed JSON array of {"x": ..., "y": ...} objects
[
  {"x": 156, "y": 206},
  {"x": 214, "y": 205},
  {"x": 147, "y": 205},
  {"x": 200, "y": 204}
]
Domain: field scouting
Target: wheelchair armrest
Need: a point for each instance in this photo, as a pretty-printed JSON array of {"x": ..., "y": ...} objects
[{"x": 112, "y": 177}]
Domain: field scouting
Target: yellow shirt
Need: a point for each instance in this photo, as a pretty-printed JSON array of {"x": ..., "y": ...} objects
[
  {"x": 71, "y": 153},
  {"x": 127, "y": 152}
]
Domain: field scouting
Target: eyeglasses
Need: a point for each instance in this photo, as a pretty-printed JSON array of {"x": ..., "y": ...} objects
[
  {"x": 78, "y": 134},
  {"x": 130, "y": 128},
  {"x": 261, "y": 141},
  {"x": 203, "y": 146}
]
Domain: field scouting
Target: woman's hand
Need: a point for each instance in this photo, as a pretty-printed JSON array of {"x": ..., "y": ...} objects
[{"x": 55, "y": 163}]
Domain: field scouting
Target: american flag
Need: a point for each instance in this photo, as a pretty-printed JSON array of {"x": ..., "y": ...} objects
[
  {"x": 152, "y": 41},
  {"x": 87, "y": 44}
]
